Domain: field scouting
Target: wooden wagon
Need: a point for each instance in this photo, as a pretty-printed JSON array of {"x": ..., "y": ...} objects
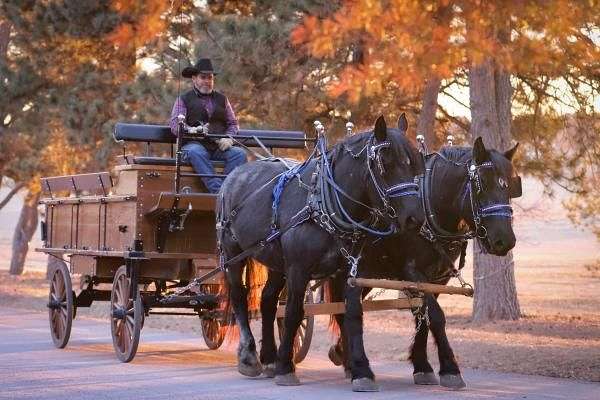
[{"x": 139, "y": 234}]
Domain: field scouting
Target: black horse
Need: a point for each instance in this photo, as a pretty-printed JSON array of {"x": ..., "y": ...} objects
[
  {"x": 364, "y": 184},
  {"x": 461, "y": 185}
]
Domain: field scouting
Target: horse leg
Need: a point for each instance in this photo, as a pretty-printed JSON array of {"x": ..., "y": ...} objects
[
  {"x": 422, "y": 371},
  {"x": 338, "y": 352},
  {"x": 450, "y": 376},
  {"x": 363, "y": 379},
  {"x": 248, "y": 363},
  {"x": 268, "y": 310},
  {"x": 294, "y": 313}
]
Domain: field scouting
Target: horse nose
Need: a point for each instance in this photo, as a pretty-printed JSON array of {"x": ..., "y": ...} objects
[{"x": 499, "y": 244}]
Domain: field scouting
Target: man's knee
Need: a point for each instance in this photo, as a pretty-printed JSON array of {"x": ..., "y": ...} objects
[
  {"x": 196, "y": 150},
  {"x": 237, "y": 155}
]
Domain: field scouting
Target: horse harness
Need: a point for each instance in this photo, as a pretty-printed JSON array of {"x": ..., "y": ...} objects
[
  {"x": 324, "y": 206},
  {"x": 443, "y": 240}
]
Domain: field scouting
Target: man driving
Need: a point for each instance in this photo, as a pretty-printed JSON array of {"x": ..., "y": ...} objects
[{"x": 203, "y": 105}]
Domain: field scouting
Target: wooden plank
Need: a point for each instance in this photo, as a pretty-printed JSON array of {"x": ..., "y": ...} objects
[
  {"x": 88, "y": 226},
  {"x": 402, "y": 285},
  {"x": 120, "y": 254},
  {"x": 62, "y": 223},
  {"x": 57, "y": 184},
  {"x": 86, "y": 199},
  {"x": 120, "y": 226},
  {"x": 96, "y": 182},
  {"x": 368, "y": 305}
]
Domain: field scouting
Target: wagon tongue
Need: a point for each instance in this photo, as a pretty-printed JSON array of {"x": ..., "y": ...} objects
[{"x": 201, "y": 300}]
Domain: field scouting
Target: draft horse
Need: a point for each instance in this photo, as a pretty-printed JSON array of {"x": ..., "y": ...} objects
[
  {"x": 461, "y": 185},
  {"x": 309, "y": 222}
]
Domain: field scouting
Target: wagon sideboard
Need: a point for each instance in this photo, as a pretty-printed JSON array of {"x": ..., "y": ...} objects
[{"x": 122, "y": 213}]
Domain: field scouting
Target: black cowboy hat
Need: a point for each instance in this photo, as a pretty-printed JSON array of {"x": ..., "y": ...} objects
[{"x": 204, "y": 65}]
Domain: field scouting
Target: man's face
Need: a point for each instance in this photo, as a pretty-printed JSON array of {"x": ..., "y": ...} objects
[{"x": 204, "y": 82}]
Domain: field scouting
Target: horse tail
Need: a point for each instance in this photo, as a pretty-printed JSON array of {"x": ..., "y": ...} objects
[
  {"x": 333, "y": 327},
  {"x": 228, "y": 328},
  {"x": 256, "y": 277}
]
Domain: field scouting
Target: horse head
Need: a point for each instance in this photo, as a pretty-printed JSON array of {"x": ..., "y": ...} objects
[
  {"x": 394, "y": 163},
  {"x": 492, "y": 183}
]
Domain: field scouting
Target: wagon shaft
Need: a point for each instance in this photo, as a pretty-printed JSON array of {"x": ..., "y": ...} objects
[{"x": 407, "y": 285}]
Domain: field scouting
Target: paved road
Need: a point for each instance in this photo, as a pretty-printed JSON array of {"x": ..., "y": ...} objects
[{"x": 174, "y": 365}]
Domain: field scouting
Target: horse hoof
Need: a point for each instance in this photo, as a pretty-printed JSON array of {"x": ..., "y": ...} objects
[
  {"x": 287, "y": 380},
  {"x": 425, "y": 378},
  {"x": 364, "y": 385},
  {"x": 454, "y": 382},
  {"x": 335, "y": 356},
  {"x": 347, "y": 374},
  {"x": 269, "y": 371},
  {"x": 251, "y": 371}
]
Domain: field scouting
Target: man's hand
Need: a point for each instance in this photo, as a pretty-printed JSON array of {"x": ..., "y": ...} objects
[{"x": 224, "y": 144}]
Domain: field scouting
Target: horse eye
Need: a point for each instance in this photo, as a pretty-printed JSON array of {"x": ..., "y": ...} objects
[{"x": 503, "y": 183}]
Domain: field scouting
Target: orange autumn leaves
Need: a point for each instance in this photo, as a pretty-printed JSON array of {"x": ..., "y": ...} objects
[
  {"x": 405, "y": 42},
  {"x": 143, "y": 20}
]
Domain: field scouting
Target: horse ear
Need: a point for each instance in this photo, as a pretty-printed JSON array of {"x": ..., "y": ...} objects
[
  {"x": 380, "y": 129},
  {"x": 511, "y": 153},
  {"x": 480, "y": 154},
  {"x": 402, "y": 123}
]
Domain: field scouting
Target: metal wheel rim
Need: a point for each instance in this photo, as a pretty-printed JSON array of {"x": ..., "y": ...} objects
[
  {"x": 125, "y": 332},
  {"x": 214, "y": 330},
  {"x": 303, "y": 337},
  {"x": 60, "y": 318}
]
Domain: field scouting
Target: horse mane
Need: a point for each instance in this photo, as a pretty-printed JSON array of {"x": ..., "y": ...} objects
[{"x": 457, "y": 153}]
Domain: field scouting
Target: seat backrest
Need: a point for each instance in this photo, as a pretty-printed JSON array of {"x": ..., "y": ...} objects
[
  {"x": 162, "y": 134},
  {"x": 96, "y": 183}
]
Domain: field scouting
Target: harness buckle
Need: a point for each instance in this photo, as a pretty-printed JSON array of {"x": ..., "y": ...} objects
[{"x": 481, "y": 232}]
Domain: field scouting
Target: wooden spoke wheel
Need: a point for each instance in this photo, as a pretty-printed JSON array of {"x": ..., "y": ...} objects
[
  {"x": 215, "y": 329},
  {"x": 126, "y": 316},
  {"x": 305, "y": 330},
  {"x": 60, "y": 305}
]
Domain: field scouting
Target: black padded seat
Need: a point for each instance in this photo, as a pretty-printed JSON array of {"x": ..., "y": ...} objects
[{"x": 162, "y": 134}]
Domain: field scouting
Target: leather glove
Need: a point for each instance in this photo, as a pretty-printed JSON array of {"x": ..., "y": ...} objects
[{"x": 224, "y": 144}]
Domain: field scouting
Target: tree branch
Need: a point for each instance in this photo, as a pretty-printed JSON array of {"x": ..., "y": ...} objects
[
  {"x": 10, "y": 194},
  {"x": 463, "y": 125}
]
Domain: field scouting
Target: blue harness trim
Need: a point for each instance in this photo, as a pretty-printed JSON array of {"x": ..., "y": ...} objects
[
  {"x": 279, "y": 188},
  {"x": 497, "y": 210},
  {"x": 403, "y": 189}
]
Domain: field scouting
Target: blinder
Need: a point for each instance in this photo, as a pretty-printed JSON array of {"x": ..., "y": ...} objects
[{"x": 514, "y": 187}]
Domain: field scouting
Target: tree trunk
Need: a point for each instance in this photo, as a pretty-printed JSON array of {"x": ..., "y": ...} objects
[
  {"x": 490, "y": 93},
  {"x": 24, "y": 230},
  {"x": 11, "y": 194},
  {"x": 426, "y": 121},
  {"x": 4, "y": 39}
]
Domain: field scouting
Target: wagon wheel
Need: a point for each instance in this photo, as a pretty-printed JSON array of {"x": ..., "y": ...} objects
[
  {"x": 305, "y": 330},
  {"x": 215, "y": 329},
  {"x": 126, "y": 316},
  {"x": 60, "y": 305}
]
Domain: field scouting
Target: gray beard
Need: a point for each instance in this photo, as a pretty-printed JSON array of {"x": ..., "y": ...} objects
[{"x": 203, "y": 91}]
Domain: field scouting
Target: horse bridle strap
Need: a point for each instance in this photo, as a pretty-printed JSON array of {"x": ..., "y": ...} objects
[
  {"x": 431, "y": 230},
  {"x": 492, "y": 210},
  {"x": 331, "y": 205}
]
